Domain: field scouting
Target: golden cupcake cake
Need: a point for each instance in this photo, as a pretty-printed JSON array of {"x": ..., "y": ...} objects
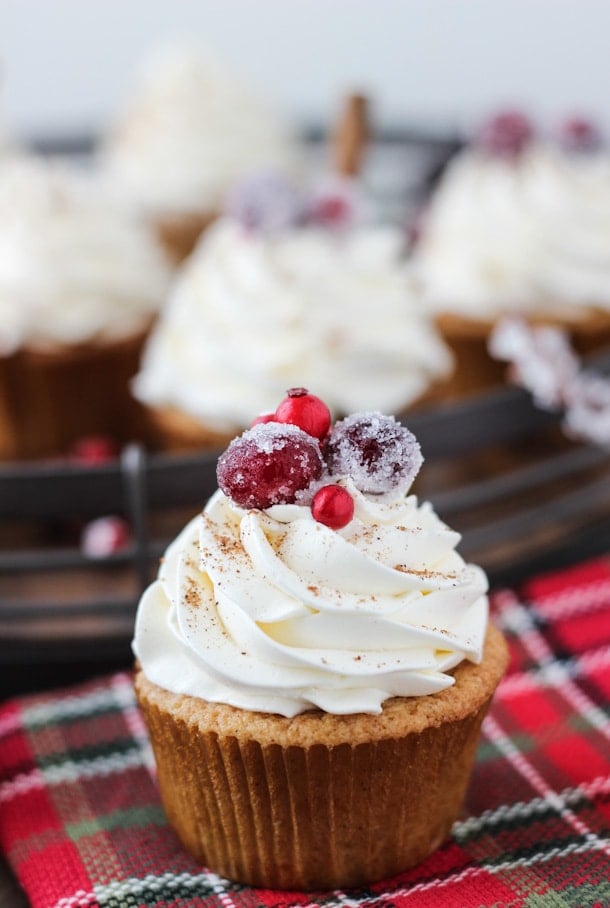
[
  {"x": 189, "y": 130},
  {"x": 315, "y": 658},
  {"x": 291, "y": 285},
  {"x": 519, "y": 224},
  {"x": 81, "y": 280}
]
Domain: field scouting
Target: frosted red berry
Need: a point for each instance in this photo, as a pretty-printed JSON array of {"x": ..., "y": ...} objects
[
  {"x": 305, "y": 410},
  {"x": 105, "y": 536},
  {"x": 506, "y": 134},
  {"x": 269, "y": 464},
  {"x": 377, "y": 452},
  {"x": 92, "y": 450},
  {"x": 578, "y": 134},
  {"x": 266, "y": 202},
  {"x": 333, "y": 506}
]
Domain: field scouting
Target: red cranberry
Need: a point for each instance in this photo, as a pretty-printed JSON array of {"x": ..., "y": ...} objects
[
  {"x": 331, "y": 210},
  {"x": 306, "y": 411},
  {"x": 378, "y": 453},
  {"x": 577, "y": 134},
  {"x": 506, "y": 134},
  {"x": 105, "y": 536},
  {"x": 333, "y": 506},
  {"x": 94, "y": 449},
  {"x": 269, "y": 465}
]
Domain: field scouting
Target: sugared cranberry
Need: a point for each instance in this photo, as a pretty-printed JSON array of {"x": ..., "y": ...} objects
[
  {"x": 306, "y": 411},
  {"x": 506, "y": 134},
  {"x": 332, "y": 210},
  {"x": 333, "y": 506},
  {"x": 94, "y": 449},
  {"x": 379, "y": 454},
  {"x": 105, "y": 536},
  {"x": 263, "y": 418},
  {"x": 577, "y": 134},
  {"x": 269, "y": 465},
  {"x": 266, "y": 202}
]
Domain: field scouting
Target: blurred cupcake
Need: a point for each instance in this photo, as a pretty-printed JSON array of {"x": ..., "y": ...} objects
[
  {"x": 518, "y": 224},
  {"x": 81, "y": 280},
  {"x": 286, "y": 289},
  {"x": 189, "y": 132}
]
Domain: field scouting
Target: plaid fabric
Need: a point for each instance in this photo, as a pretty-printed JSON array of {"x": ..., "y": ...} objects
[{"x": 81, "y": 823}]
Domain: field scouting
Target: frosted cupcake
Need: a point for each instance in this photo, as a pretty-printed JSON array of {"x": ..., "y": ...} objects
[
  {"x": 286, "y": 288},
  {"x": 81, "y": 280},
  {"x": 521, "y": 225},
  {"x": 315, "y": 659},
  {"x": 189, "y": 132}
]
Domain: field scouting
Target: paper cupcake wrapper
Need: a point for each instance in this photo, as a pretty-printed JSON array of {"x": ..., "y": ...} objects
[
  {"x": 179, "y": 233},
  {"x": 309, "y": 817},
  {"x": 49, "y": 399},
  {"x": 318, "y": 801},
  {"x": 475, "y": 369}
]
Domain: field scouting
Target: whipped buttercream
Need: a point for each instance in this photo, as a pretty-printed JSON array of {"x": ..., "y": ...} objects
[
  {"x": 75, "y": 265},
  {"x": 273, "y": 611},
  {"x": 255, "y": 313},
  {"x": 189, "y": 132},
  {"x": 529, "y": 234}
]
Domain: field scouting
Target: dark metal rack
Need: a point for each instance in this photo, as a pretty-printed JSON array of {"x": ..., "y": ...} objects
[{"x": 499, "y": 470}]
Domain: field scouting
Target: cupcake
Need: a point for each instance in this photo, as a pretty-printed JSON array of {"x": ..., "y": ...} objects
[
  {"x": 287, "y": 287},
  {"x": 81, "y": 280},
  {"x": 189, "y": 131},
  {"x": 315, "y": 659},
  {"x": 518, "y": 225}
]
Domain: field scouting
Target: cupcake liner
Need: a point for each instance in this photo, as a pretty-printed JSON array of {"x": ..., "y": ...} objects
[
  {"x": 170, "y": 430},
  {"x": 51, "y": 398},
  {"x": 318, "y": 801},
  {"x": 179, "y": 233},
  {"x": 475, "y": 370}
]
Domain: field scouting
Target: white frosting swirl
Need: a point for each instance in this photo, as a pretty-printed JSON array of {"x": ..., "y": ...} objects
[
  {"x": 306, "y": 307},
  {"x": 273, "y": 611},
  {"x": 191, "y": 131},
  {"x": 75, "y": 266},
  {"x": 528, "y": 235}
]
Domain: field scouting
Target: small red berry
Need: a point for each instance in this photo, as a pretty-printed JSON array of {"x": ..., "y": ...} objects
[
  {"x": 333, "y": 506},
  {"x": 105, "y": 536},
  {"x": 269, "y": 465},
  {"x": 577, "y": 134},
  {"x": 506, "y": 134},
  {"x": 331, "y": 211},
  {"x": 94, "y": 449},
  {"x": 263, "y": 418},
  {"x": 306, "y": 411}
]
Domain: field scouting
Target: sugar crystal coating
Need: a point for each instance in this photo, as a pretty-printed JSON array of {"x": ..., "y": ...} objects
[
  {"x": 376, "y": 451},
  {"x": 266, "y": 202},
  {"x": 269, "y": 464}
]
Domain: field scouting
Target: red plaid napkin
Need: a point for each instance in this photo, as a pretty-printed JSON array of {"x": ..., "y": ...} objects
[{"x": 81, "y": 824}]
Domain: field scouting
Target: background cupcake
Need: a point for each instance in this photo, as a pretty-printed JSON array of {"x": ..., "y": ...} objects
[
  {"x": 518, "y": 224},
  {"x": 189, "y": 131},
  {"x": 286, "y": 289},
  {"x": 81, "y": 280}
]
